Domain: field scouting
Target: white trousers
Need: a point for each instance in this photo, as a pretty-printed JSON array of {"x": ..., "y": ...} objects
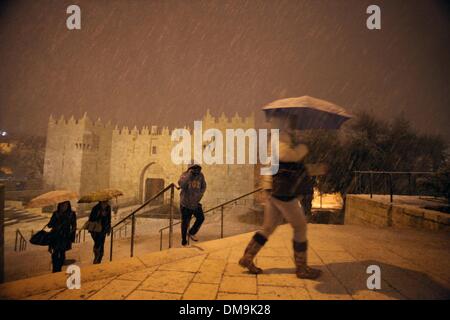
[{"x": 274, "y": 212}]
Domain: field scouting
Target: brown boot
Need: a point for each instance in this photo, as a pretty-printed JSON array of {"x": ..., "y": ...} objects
[
  {"x": 251, "y": 251},
  {"x": 300, "y": 257}
]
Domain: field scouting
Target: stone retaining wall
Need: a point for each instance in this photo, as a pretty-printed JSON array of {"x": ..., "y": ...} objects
[{"x": 361, "y": 210}]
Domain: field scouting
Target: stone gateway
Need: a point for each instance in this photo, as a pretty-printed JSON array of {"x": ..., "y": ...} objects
[{"x": 84, "y": 156}]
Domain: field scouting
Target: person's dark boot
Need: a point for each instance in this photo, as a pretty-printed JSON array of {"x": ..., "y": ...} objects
[
  {"x": 255, "y": 244},
  {"x": 56, "y": 262},
  {"x": 100, "y": 257},
  {"x": 97, "y": 257},
  {"x": 300, "y": 256}
]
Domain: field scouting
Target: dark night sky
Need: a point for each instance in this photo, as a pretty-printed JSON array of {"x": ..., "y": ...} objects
[{"x": 167, "y": 61}]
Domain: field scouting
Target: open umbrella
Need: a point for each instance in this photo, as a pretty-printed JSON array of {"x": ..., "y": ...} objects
[
  {"x": 101, "y": 195},
  {"x": 52, "y": 198},
  {"x": 308, "y": 113}
]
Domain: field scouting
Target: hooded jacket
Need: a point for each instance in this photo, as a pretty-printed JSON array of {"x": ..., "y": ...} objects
[
  {"x": 64, "y": 226},
  {"x": 192, "y": 189}
]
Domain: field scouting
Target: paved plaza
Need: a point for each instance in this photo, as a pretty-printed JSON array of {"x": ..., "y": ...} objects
[{"x": 414, "y": 265}]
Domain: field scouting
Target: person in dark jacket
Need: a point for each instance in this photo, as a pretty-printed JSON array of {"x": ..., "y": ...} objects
[
  {"x": 63, "y": 224},
  {"x": 101, "y": 214},
  {"x": 193, "y": 186}
]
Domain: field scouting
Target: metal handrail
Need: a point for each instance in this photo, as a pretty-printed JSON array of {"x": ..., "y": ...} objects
[
  {"x": 78, "y": 235},
  {"x": 395, "y": 172},
  {"x": 81, "y": 233},
  {"x": 22, "y": 241},
  {"x": 221, "y": 206},
  {"x": 389, "y": 175},
  {"x": 124, "y": 227},
  {"x": 144, "y": 204},
  {"x": 170, "y": 187}
]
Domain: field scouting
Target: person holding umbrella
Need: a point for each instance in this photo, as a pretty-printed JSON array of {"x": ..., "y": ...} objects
[
  {"x": 283, "y": 189},
  {"x": 63, "y": 225},
  {"x": 99, "y": 226},
  {"x": 99, "y": 222}
]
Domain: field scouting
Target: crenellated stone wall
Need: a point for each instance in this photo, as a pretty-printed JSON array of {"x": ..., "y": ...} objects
[{"x": 83, "y": 156}]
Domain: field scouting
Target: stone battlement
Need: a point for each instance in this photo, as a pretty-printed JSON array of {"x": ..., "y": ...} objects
[
  {"x": 144, "y": 131},
  {"x": 222, "y": 121},
  {"x": 234, "y": 121},
  {"x": 62, "y": 122}
]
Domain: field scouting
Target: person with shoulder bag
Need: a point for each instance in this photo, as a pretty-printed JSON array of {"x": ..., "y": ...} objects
[
  {"x": 63, "y": 224},
  {"x": 99, "y": 226}
]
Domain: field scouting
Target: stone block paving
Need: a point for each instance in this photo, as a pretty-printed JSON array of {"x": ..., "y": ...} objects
[
  {"x": 147, "y": 240},
  {"x": 209, "y": 270}
]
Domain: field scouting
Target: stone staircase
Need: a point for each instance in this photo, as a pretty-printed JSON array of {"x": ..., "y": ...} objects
[
  {"x": 147, "y": 240},
  {"x": 414, "y": 265}
]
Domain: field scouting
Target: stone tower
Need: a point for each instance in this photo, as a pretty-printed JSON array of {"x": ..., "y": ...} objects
[{"x": 77, "y": 155}]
